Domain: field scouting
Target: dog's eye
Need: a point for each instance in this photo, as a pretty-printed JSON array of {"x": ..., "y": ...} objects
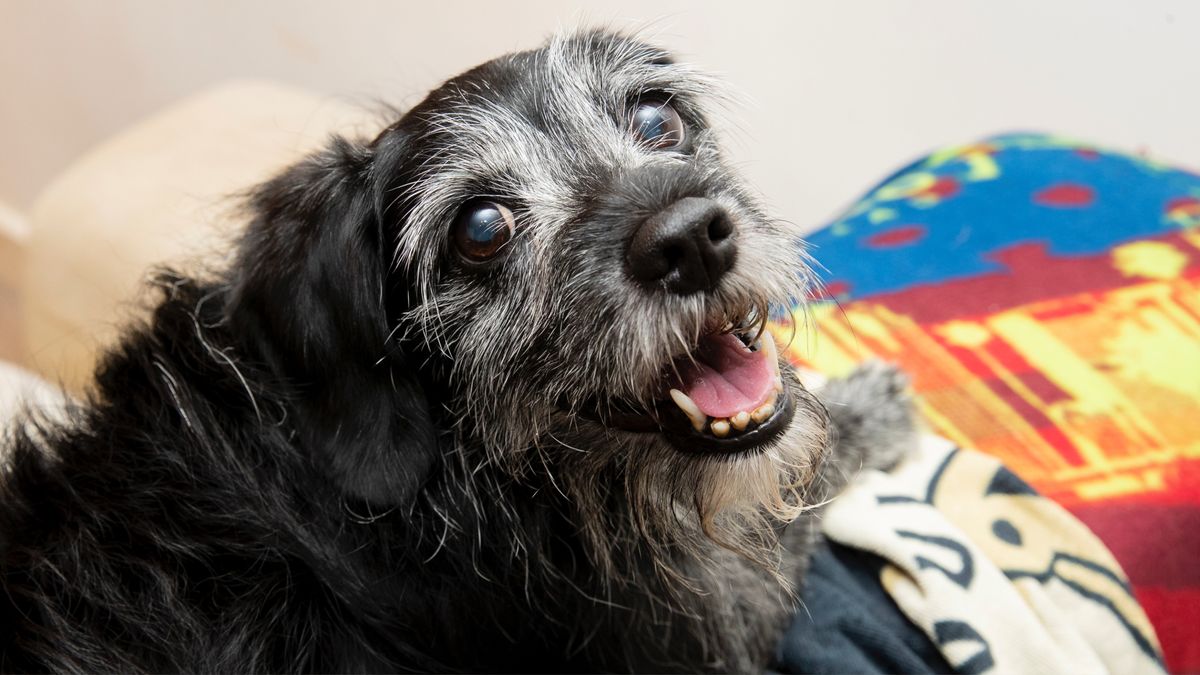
[
  {"x": 656, "y": 124},
  {"x": 482, "y": 228}
]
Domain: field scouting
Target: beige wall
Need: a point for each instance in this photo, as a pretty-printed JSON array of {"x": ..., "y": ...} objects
[{"x": 837, "y": 92}]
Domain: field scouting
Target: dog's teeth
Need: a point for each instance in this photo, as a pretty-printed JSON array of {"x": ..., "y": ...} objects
[
  {"x": 778, "y": 384},
  {"x": 689, "y": 408},
  {"x": 762, "y": 412},
  {"x": 720, "y": 428},
  {"x": 770, "y": 352},
  {"x": 740, "y": 420}
]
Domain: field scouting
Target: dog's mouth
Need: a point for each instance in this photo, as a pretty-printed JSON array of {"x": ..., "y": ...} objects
[{"x": 726, "y": 395}]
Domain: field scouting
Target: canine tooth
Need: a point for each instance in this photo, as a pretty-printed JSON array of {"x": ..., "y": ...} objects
[
  {"x": 771, "y": 351},
  {"x": 762, "y": 412},
  {"x": 720, "y": 428},
  {"x": 778, "y": 384},
  {"x": 740, "y": 420},
  {"x": 689, "y": 408}
]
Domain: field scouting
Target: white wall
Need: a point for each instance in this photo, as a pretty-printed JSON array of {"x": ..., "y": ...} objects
[{"x": 838, "y": 92}]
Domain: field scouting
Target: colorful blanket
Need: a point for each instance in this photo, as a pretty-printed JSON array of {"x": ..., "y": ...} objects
[{"x": 1043, "y": 294}]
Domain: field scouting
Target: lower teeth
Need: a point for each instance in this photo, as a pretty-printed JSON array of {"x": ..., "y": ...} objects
[
  {"x": 723, "y": 426},
  {"x": 760, "y": 415}
]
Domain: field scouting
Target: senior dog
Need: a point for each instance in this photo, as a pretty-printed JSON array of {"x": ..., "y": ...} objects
[{"x": 487, "y": 392}]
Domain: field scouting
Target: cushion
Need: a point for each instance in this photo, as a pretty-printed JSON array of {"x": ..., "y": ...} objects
[
  {"x": 22, "y": 391},
  {"x": 164, "y": 191},
  {"x": 13, "y": 232}
]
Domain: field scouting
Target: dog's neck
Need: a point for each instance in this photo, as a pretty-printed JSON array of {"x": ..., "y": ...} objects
[{"x": 585, "y": 575}]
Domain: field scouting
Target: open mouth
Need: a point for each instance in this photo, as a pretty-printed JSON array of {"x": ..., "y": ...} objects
[
  {"x": 731, "y": 393},
  {"x": 725, "y": 396}
]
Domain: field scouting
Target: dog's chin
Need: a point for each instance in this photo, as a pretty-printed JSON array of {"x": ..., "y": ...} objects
[{"x": 725, "y": 421}]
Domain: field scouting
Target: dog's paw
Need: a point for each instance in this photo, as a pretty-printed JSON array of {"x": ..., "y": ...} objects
[{"x": 873, "y": 417}]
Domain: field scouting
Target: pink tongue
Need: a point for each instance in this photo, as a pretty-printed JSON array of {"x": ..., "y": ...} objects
[{"x": 726, "y": 377}]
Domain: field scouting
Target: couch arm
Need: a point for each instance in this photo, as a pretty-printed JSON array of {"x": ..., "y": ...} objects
[{"x": 13, "y": 232}]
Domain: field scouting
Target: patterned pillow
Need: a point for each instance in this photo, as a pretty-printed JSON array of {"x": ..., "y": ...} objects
[{"x": 1044, "y": 295}]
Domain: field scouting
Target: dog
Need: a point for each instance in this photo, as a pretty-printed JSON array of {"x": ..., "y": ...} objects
[{"x": 489, "y": 391}]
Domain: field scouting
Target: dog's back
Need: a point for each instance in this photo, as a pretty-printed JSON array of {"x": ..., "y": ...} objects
[
  {"x": 171, "y": 524},
  {"x": 159, "y": 528}
]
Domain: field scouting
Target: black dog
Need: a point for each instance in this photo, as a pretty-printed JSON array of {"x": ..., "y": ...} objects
[{"x": 488, "y": 392}]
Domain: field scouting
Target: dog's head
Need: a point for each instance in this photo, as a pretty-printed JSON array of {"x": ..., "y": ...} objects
[{"x": 548, "y": 261}]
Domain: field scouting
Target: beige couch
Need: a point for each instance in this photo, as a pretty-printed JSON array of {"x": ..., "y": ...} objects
[{"x": 163, "y": 191}]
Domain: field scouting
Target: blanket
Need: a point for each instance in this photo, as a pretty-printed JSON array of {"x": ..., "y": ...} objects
[{"x": 1043, "y": 294}]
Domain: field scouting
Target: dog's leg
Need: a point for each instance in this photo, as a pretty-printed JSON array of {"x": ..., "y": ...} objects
[
  {"x": 873, "y": 419},
  {"x": 873, "y": 426}
]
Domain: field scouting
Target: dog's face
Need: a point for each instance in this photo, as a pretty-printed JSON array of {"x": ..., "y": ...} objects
[
  {"x": 596, "y": 275},
  {"x": 573, "y": 256}
]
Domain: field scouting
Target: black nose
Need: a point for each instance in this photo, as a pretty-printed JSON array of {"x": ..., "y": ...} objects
[{"x": 686, "y": 248}]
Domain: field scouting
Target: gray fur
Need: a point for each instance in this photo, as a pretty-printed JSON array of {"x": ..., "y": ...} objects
[
  {"x": 873, "y": 415},
  {"x": 690, "y": 543}
]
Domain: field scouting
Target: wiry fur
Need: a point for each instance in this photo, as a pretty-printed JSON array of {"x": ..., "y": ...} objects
[{"x": 350, "y": 452}]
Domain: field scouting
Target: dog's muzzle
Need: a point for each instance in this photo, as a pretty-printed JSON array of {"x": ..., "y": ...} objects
[{"x": 725, "y": 395}]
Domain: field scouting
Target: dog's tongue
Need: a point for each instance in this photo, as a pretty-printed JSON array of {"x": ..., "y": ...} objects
[{"x": 726, "y": 377}]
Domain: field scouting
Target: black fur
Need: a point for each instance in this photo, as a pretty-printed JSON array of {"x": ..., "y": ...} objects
[{"x": 268, "y": 476}]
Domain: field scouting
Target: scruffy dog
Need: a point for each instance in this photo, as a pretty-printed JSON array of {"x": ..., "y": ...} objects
[{"x": 488, "y": 392}]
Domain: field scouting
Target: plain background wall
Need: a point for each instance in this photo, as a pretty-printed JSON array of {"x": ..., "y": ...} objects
[{"x": 834, "y": 94}]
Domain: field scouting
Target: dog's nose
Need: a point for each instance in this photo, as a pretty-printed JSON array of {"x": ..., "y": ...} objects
[{"x": 686, "y": 248}]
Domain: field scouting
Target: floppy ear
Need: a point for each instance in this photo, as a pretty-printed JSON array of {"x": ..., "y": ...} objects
[{"x": 311, "y": 294}]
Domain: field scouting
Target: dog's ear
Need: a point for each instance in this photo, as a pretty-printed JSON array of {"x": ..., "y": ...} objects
[{"x": 311, "y": 296}]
